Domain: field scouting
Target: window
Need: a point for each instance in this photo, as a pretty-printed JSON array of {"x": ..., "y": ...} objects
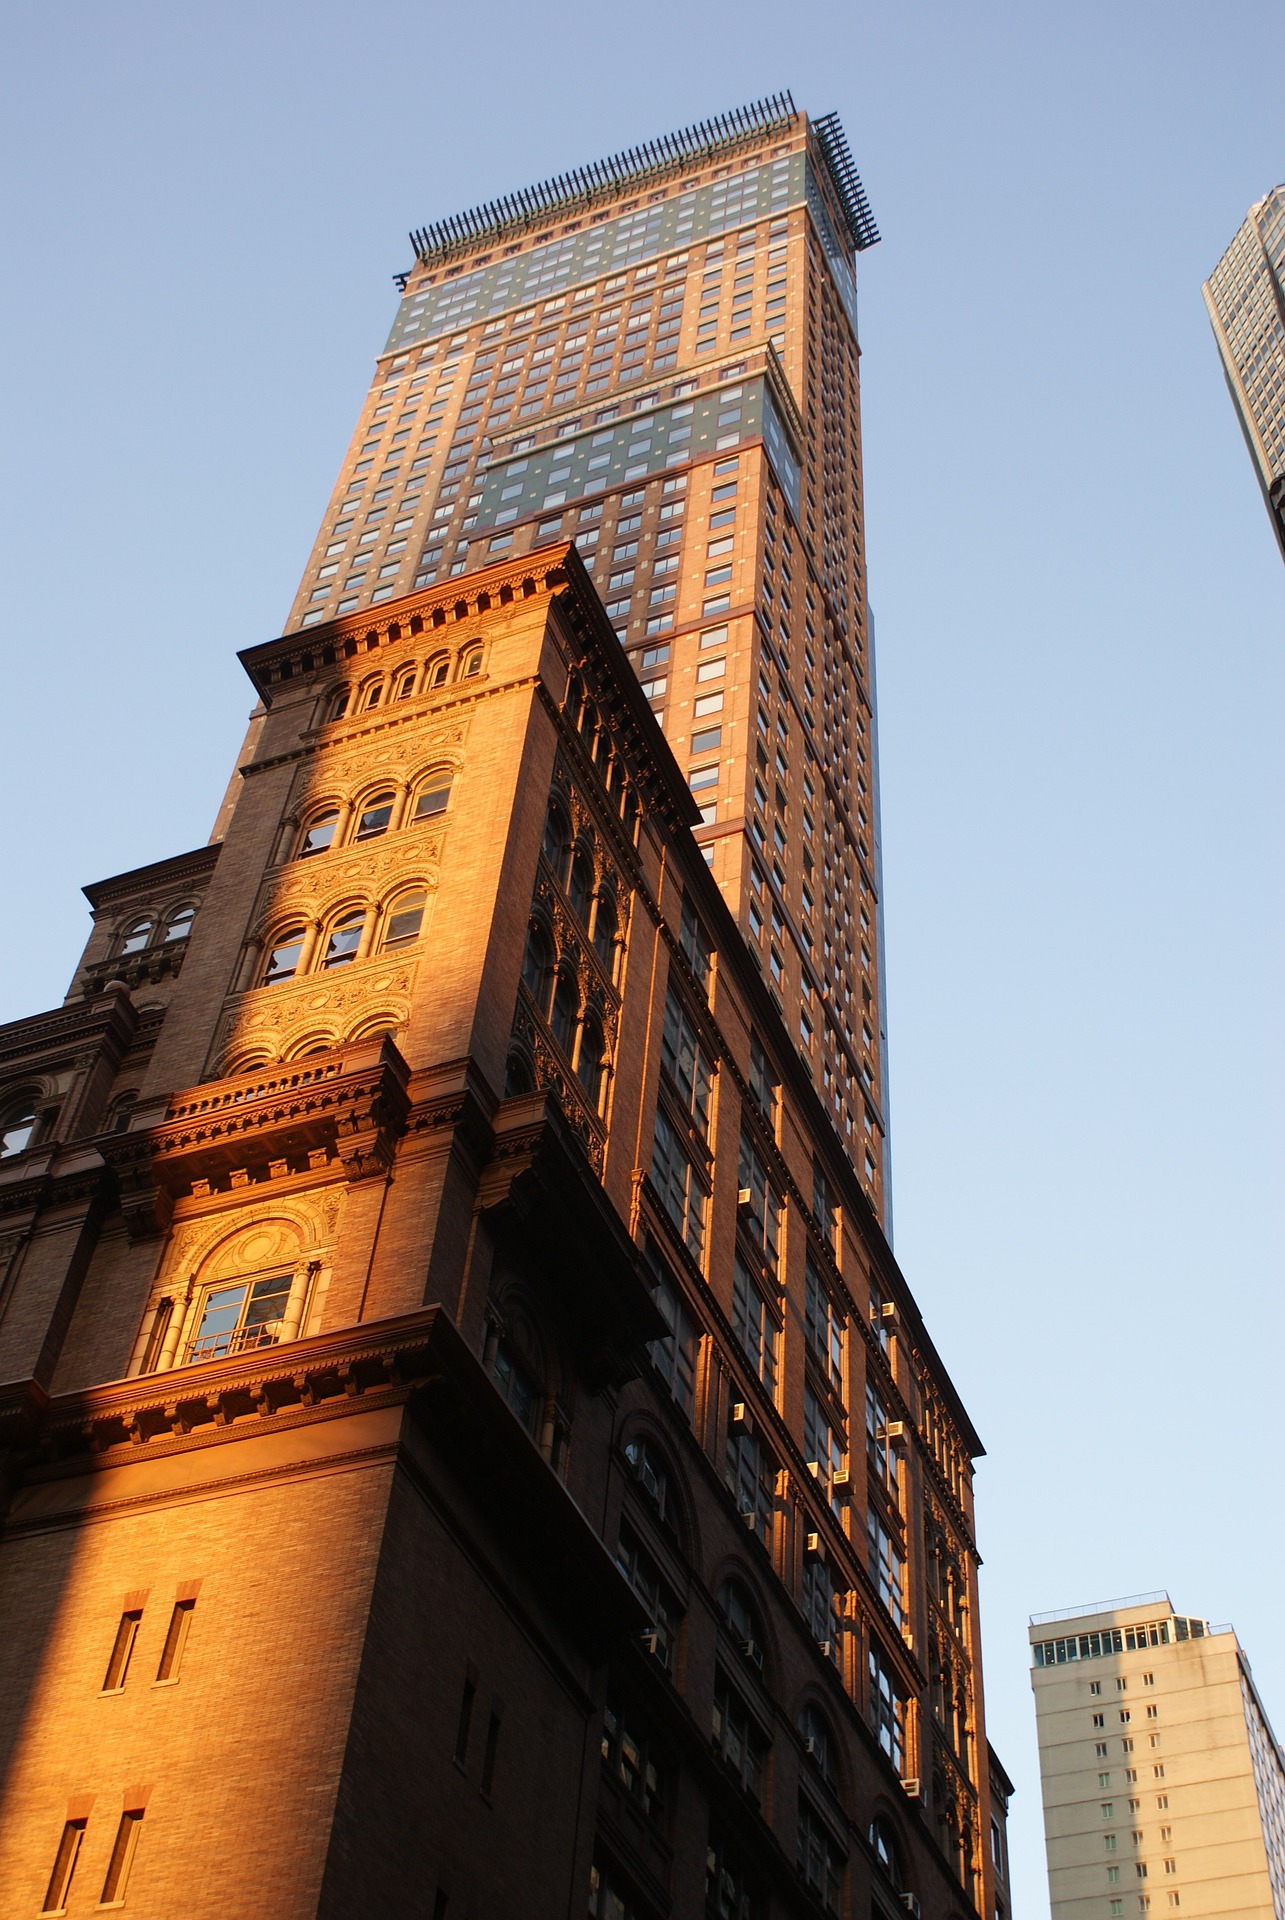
[
  {"x": 175, "y": 1641},
  {"x": 737, "y": 1737},
  {"x": 17, "y": 1125},
  {"x": 241, "y": 1317},
  {"x": 605, "y": 928},
  {"x": 405, "y": 919},
  {"x": 135, "y": 936},
  {"x": 760, "y": 1204},
  {"x": 823, "y": 1445},
  {"x": 565, "y": 1010},
  {"x": 824, "y": 1325},
  {"x": 694, "y": 940},
  {"x": 754, "y": 1321},
  {"x": 283, "y": 960},
  {"x": 685, "y": 1060},
  {"x": 663, "y": 1612},
  {"x": 752, "y": 1481},
  {"x": 674, "y": 1354},
  {"x": 591, "y": 1060},
  {"x": 580, "y": 883},
  {"x": 122, "y": 1855},
  {"x": 345, "y": 939},
  {"x": 122, "y": 1650},
  {"x": 819, "y": 1858},
  {"x": 537, "y": 965},
  {"x": 518, "y": 1385},
  {"x": 820, "y": 1602},
  {"x": 64, "y": 1867},
  {"x": 763, "y": 1084},
  {"x": 887, "y": 1567},
  {"x": 676, "y": 1183},
  {"x": 630, "y": 1756},
  {"x": 818, "y": 1745},
  {"x": 374, "y": 817},
  {"x": 434, "y": 796},
  {"x": 880, "y": 1453},
  {"x": 887, "y": 1708},
  {"x": 180, "y": 923},
  {"x": 557, "y": 839}
]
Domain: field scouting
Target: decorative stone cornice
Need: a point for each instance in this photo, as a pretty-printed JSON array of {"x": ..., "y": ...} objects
[{"x": 184, "y": 869}]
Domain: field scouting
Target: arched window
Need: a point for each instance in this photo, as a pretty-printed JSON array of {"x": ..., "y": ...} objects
[
  {"x": 374, "y": 817},
  {"x": 605, "y": 926},
  {"x": 557, "y": 838},
  {"x": 437, "y": 671},
  {"x": 742, "y": 1617},
  {"x": 434, "y": 796},
  {"x": 650, "y": 1471},
  {"x": 406, "y": 684},
  {"x": 17, "y": 1125},
  {"x": 283, "y": 960},
  {"x": 591, "y": 1061},
  {"x": 819, "y": 1744},
  {"x": 471, "y": 664},
  {"x": 405, "y": 919},
  {"x": 562, "y": 1015},
  {"x": 319, "y": 833},
  {"x": 372, "y": 695},
  {"x": 179, "y": 924},
  {"x": 884, "y": 1847},
  {"x": 537, "y": 965},
  {"x": 580, "y": 883},
  {"x": 514, "y": 1374},
  {"x": 338, "y": 705},
  {"x": 518, "y": 1077},
  {"x": 345, "y": 938},
  {"x": 238, "y": 1318},
  {"x": 122, "y": 1109},
  {"x": 136, "y": 936}
]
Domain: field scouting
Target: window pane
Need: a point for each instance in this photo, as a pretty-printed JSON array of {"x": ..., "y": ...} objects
[
  {"x": 320, "y": 834},
  {"x": 345, "y": 938},
  {"x": 405, "y": 921},
  {"x": 435, "y": 798},
  {"x": 284, "y": 960},
  {"x": 374, "y": 818}
]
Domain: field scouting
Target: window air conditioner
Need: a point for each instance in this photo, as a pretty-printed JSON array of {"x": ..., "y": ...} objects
[
  {"x": 745, "y": 1197},
  {"x": 910, "y": 1788},
  {"x": 651, "y": 1483},
  {"x": 813, "y": 1749},
  {"x": 741, "y": 1420},
  {"x": 753, "y": 1652},
  {"x": 894, "y": 1430},
  {"x": 653, "y": 1641},
  {"x": 887, "y": 1311},
  {"x": 841, "y": 1483},
  {"x": 814, "y": 1547},
  {"x": 910, "y": 1901}
]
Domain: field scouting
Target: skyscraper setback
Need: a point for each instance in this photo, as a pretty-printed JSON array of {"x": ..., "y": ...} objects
[
  {"x": 656, "y": 357},
  {"x": 468, "y": 1445},
  {"x": 1245, "y": 296}
]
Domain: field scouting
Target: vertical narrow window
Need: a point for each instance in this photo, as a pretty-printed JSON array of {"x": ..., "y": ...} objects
[
  {"x": 466, "y": 1718},
  {"x": 175, "y": 1641},
  {"x": 118, "y": 1866},
  {"x": 491, "y": 1753},
  {"x": 64, "y": 1867},
  {"x": 156, "y": 1338},
  {"x": 122, "y": 1648}
]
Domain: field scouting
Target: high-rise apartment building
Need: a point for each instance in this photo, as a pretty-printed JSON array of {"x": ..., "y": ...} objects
[
  {"x": 468, "y": 1446},
  {"x": 1164, "y": 1786},
  {"x": 656, "y": 357},
  {"x": 1245, "y": 295}
]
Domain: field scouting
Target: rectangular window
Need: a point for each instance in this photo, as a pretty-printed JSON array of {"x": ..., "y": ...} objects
[
  {"x": 643, "y": 1575},
  {"x": 685, "y": 1060},
  {"x": 824, "y": 1325},
  {"x": 754, "y": 1321},
  {"x": 887, "y": 1708},
  {"x": 737, "y": 1737},
  {"x": 694, "y": 940},
  {"x": 888, "y": 1569},
  {"x": 465, "y": 1721},
  {"x": 122, "y": 1649},
  {"x": 752, "y": 1481},
  {"x": 64, "y": 1867},
  {"x": 674, "y": 1354},
  {"x": 880, "y": 1455},
  {"x": 175, "y": 1641},
  {"x": 820, "y": 1606},
  {"x": 677, "y": 1186},
  {"x": 819, "y": 1859},
  {"x": 762, "y": 1079},
  {"x": 123, "y": 1848},
  {"x": 760, "y": 1203}
]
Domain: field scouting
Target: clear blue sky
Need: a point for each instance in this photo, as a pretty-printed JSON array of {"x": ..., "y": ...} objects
[{"x": 1079, "y": 608}]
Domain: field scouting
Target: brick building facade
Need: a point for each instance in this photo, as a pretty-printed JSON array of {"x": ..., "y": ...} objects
[{"x": 469, "y": 1448}]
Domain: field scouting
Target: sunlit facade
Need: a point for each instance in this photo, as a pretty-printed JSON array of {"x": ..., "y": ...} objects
[{"x": 1245, "y": 296}]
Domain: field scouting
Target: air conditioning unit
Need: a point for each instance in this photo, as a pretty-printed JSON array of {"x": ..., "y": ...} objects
[
  {"x": 910, "y": 1901},
  {"x": 813, "y": 1547},
  {"x": 814, "y": 1749},
  {"x": 887, "y": 1311},
  {"x": 745, "y": 1197},
  {"x": 753, "y": 1652},
  {"x": 911, "y": 1789},
  {"x": 653, "y": 1642},
  {"x": 741, "y": 1419},
  {"x": 750, "y": 1518},
  {"x": 649, "y": 1479},
  {"x": 814, "y": 1468},
  {"x": 841, "y": 1483},
  {"x": 826, "y": 1649},
  {"x": 894, "y": 1430}
]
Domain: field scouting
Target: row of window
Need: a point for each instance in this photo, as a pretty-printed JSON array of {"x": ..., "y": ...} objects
[
  {"x": 354, "y": 933},
  {"x": 384, "y": 689},
  {"x": 149, "y": 929},
  {"x": 384, "y": 811}
]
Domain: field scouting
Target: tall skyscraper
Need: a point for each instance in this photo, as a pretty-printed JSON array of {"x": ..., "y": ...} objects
[
  {"x": 1164, "y": 1786},
  {"x": 656, "y": 357},
  {"x": 468, "y": 1445},
  {"x": 1245, "y": 295}
]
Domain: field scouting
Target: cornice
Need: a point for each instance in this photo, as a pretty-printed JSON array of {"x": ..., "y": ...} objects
[{"x": 181, "y": 866}]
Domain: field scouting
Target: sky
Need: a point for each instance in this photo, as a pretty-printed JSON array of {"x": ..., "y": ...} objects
[{"x": 1078, "y": 603}]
